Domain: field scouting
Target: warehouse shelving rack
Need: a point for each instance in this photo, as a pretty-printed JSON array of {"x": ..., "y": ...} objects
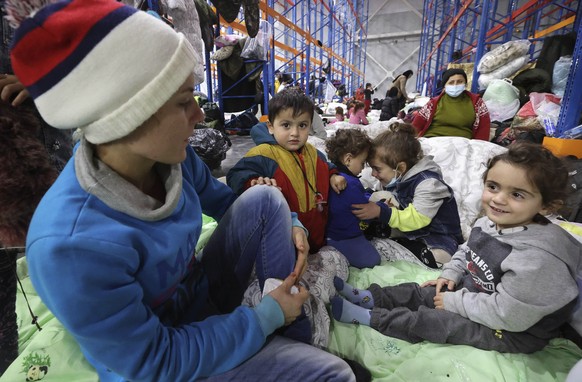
[
  {"x": 309, "y": 36},
  {"x": 468, "y": 28}
]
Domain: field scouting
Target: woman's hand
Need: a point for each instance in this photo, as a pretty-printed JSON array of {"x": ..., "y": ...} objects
[
  {"x": 366, "y": 211},
  {"x": 263, "y": 180},
  {"x": 338, "y": 183},
  {"x": 11, "y": 86},
  {"x": 302, "y": 246},
  {"x": 290, "y": 303}
]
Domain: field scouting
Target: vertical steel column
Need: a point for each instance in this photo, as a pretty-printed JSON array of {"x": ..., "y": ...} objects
[
  {"x": 481, "y": 42},
  {"x": 571, "y": 109}
]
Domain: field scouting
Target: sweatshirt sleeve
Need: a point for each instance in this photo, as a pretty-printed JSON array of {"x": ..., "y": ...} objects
[
  {"x": 528, "y": 291},
  {"x": 456, "y": 268},
  {"x": 104, "y": 312}
]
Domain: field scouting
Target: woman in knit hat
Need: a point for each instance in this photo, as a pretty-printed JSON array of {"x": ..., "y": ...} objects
[
  {"x": 455, "y": 112},
  {"x": 111, "y": 246}
]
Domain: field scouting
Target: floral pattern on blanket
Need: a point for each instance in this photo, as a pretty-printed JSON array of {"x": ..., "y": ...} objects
[{"x": 318, "y": 278}]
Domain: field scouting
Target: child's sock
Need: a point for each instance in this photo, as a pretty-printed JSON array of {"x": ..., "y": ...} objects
[
  {"x": 359, "y": 297},
  {"x": 344, "y": 311}
]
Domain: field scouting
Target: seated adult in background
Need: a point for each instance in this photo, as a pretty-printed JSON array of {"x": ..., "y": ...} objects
[
  {"x": 455, "y": 112},
  {"x": 390, "y": 105}
]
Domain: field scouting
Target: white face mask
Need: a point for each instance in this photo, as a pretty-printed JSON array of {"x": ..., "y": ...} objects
[{"x": 454, "y": 90}]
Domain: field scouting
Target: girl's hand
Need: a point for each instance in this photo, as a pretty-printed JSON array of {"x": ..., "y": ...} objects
[
  {"x": 366, "y": 211},
  {"x": 302, "y": 246},
  {"x": 439, "y": 302},
  {"x": 338, "y": 183},
  {"x": 442, "y": 282},
  {"x": 428, "y": 283}
]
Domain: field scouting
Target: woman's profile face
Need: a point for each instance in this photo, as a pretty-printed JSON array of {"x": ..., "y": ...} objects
[{"x": 456, "y": 79}]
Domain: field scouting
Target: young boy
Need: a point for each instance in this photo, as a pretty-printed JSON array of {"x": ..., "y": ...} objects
[
  {"x": 509, "y": 288},
  {"x": 283, "y": 158}
]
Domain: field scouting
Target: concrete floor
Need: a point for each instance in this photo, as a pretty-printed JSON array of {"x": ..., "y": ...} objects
[{"x": 240, "y": 146}]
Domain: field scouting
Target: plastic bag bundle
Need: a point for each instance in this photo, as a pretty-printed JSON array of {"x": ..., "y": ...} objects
[
  {"x": 502, "y": 100},
  {"x": 502, "y": 55},
  {"x": 501, "y": 91},
  {"x": 547, "y": 108},
  {"x": 560, "y": 75},
  {"x": 211, "y": 146},
  {"x": 257, "y": 48}
]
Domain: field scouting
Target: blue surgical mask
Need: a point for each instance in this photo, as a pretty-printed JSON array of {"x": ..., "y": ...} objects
[
  {"x": 454, "y": 90},
  {"x": 394, "y": 181}
]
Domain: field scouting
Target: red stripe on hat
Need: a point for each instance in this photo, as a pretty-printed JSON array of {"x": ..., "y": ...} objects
[{"x": 55, "y": 39}]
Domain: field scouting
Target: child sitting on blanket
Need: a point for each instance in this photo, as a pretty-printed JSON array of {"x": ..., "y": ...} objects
[
  {"x": 509, "y": 288},
  {"x": 357, "y": 114},
  {"x": 427, "y": 220},
  {"x": 339, "y": 114},
  {"x": 348, "y": 150},
  {"x": 284, "y": 159}
]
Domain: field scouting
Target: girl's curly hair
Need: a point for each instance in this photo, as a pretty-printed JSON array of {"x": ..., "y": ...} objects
[{"x": 347, "y": 141}]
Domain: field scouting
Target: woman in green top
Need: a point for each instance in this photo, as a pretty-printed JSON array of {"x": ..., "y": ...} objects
[{"x": 455, "y": 112}]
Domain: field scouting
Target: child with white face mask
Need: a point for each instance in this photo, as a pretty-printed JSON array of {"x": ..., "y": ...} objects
[
  {"x": 426, "y": 221},
  {"x": 455, "y": 112}
]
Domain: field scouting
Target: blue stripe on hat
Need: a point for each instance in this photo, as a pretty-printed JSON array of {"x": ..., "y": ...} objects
[{"x": 95, "y": 35}]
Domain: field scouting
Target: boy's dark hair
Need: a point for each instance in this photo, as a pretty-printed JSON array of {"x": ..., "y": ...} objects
[
  {"x": 545, "y": 171},
  {"x": 339, "y": 110},
  {"x": 368, "y": 84},
  {"x": 398, "y": 144},
  {"x": 289, "y": 98},
  {"x": 347, "y": 141}
]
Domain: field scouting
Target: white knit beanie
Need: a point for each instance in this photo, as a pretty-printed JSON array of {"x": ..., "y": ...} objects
[{"x": 98, "y": 65}]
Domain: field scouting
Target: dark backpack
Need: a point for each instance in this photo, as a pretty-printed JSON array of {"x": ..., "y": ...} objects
[{"x": 572, "y": 209}]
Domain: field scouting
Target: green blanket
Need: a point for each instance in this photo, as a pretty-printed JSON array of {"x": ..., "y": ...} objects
[
  {"x": 391, "y": 359},
  {"x": 52, "y": 355}
]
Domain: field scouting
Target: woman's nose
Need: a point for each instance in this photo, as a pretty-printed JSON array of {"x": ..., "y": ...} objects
[{"x": 197, "y": 114}]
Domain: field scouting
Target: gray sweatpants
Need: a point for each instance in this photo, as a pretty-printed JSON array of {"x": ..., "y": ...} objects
[{"x": 406, "y": 311}]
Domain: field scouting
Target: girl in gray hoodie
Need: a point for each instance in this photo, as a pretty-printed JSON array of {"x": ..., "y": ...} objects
[{"x": 509, "y": 288}]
